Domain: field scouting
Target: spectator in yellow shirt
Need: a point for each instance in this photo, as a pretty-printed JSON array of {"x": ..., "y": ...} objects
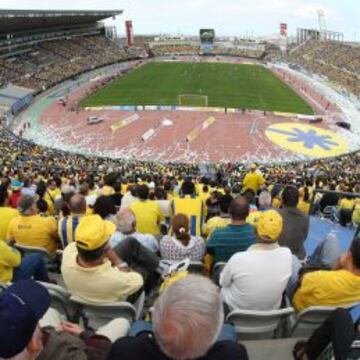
[
  {"x": 253, "y": 180},
  {"x": 356, "y": 213},
  {"x": 13, "y": 268},
  {"x": 147, "y": 212},
  {"x": 30, "y": 229},
  {"x": 347, "y": 203},
  {"x": 345, "y": 211},
  {"x": 7, "y": 213},
  {"x": 191, "y": 205},
  {"x": 304, "y": 200},
  {"x": 91, "y": 269},
  {"x": 52, "y": 192},
  {"x": 204, "y": 194},
  {"x": 109, "y": 181},
  {"x": 339, "y": 286}
]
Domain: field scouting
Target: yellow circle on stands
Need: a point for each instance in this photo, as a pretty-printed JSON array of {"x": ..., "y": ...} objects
[{"x": 307, "y": 140}]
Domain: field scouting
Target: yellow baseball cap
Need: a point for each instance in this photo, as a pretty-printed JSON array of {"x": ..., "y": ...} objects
[
  {"x": 253, "y": 166},
  {"x": 253, "y": 218},
  {"x": 93, "y": 232},
  {"x": 269, "y": 226}
]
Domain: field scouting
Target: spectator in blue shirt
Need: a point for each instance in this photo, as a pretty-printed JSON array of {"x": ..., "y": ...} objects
[{"x": 237, "y": 236}]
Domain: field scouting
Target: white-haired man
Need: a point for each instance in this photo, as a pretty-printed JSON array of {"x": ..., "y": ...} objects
[
  {"x": 187, "y": 324},
  {"x": 264, "y": 204},
  {"x": 125, "y": 222}
]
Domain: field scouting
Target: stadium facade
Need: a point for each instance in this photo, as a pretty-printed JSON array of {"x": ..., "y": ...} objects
[{"x": 22, "y": 35}]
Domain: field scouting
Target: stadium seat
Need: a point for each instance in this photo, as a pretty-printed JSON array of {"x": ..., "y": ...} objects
[
  {"x": 60, "y": 301},
  {"x": 327, "y": 212},
  {"x": 252, "y": 323},
  {"x": 49, "y": 260},
  {"x": 96, "y": 315},
  {"x": 275, "y": 349},
  {"x": 305, "y": 322}
]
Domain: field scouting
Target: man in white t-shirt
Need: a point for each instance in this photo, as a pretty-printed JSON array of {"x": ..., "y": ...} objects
[{"x": 256, "y": 279}]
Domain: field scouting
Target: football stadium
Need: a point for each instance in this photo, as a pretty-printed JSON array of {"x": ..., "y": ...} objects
[{"x": 178, "y": 196}]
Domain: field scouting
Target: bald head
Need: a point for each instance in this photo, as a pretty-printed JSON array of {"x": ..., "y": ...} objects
[
  {"x": 78, "y": 204},
  {"x": 125, "y": 221},
  {"x": 239, "y": 209}
]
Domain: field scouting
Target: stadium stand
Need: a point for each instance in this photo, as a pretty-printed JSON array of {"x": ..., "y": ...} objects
[
  {"x": 166, "y": 49},
  {"x": 123, "y": 227},
  {"x": 170, "y": 49},
  {"x": 44, "y": 58},
  {"x": 51, "y": 62},
  {"x": 241, "y": 50},
  {"x": 339, "y": 62}
]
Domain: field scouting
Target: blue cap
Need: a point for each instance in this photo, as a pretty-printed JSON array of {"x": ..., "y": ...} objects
[
  {"x": 22, "y": 305},
  {"x": 16, "y": 184}
]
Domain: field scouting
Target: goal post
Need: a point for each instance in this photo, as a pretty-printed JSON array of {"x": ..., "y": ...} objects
[{"x": 193, "y": 100}]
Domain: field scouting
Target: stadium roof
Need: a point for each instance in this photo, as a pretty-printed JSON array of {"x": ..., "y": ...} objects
[{"x": 12, "y": 21}]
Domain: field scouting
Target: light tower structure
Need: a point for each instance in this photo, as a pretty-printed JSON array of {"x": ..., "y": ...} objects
[{"x": 322, "y": 23}]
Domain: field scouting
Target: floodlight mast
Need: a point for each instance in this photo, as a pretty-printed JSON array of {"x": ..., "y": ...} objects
[{"x": 322, "y": 22}]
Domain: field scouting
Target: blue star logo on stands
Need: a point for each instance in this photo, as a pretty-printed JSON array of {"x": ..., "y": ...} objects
[{"x": 307, "y": 139}]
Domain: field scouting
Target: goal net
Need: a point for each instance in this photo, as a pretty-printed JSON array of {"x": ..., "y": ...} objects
[{"x": 193, "y": 100}]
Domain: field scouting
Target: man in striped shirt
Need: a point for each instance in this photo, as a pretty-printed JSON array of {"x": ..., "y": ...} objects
[
  {"x": 237, "y": 236},
  {"x": 68, "y": 224}
]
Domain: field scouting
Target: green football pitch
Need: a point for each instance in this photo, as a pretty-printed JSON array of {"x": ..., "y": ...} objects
[{"x": 201, "y": 84}]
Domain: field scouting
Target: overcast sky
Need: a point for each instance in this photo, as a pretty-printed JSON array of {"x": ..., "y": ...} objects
[{"x": 227, "y": 17}]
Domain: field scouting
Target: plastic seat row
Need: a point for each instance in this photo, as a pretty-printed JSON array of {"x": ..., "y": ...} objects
[
  {"x": 280, "y": 323},
  {"x": 92, "y": 315},
  {"x": 248, "y": 323}
]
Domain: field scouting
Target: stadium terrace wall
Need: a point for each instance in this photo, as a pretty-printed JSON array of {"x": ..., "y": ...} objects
[
  {"x": 22, "y": 104},
  {"x": 200, "y": 109},
  {"x": 15, "y": 98}
]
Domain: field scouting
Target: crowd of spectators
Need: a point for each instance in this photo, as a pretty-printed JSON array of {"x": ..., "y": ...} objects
[
  {"x": 121, "y": 224},
  {"x": 176, "y": 49},
  {"x": 254, "y": 52},
  {"x": 339, "y": 62},
  {"x": 53, "y": 61},
  {"x": 187, "y": 49}
]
